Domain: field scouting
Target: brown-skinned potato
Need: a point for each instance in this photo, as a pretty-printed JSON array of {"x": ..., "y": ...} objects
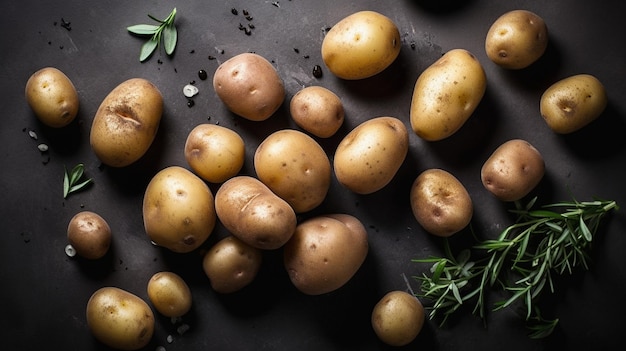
[
  {"x": 89, "y": 234},
  {"x": 52, "y": 97},
  {"x": 231, "y": 264}
]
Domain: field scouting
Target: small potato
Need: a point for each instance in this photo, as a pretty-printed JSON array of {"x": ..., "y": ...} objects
[
  {"x": 440, "y": 202},
  {"x": 361, "y": 45},
  {"x": 446, "y": 94},
  {"x": 52, "y": 97},
  {"x": 178, "y": 210},
  {"x": 126, "y": 122},
  {"x": 368, "y": 158},
  {"x": 249, "y": 86},
  {"x": 89, "y": 234},
  {"x": 572, "y": 103},
  {"x": 513, "y": 170},
  {"x": 231, "y": 264},
  {"x": 214, "y": 153},
  {"x": 169, "y": 294},
  {"x": 249, "y": 210},
  {"x": 295, "y": 167},
  {"x": 325, "y": 252},
  {"x": 119, "y": 319},
  {"x": 516, "y": 39},
  {"x": 317, "y": 110},
  {"x": 398, "y": 318}
]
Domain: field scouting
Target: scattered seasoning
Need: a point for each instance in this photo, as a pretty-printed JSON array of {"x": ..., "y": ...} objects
[
  {"x": 249, "y": 18},
  {"x": 234, "y": 11},
  {"x": 190, "y": 90},
  {"x": 66, "y": 24},
  {"x": 317, "y": 71},
  {"x": 202, "y": 74},
  {"x": 25, "y": 237},
  {"x": 42, "y": 147},
  {"x": 412, "y": 44},
  {"x": 32, "y": 134},
  {"x": 192, "y": 51},
  {"x": 250, "y": 25},
  {"x": 296, "y": 50},
  {"x": 190, "y": 102},
  {"x": 170, "y": 339},
  {"x": 276, "y": 3},
  {"x": 211, "y": 57},
  {"x": 245, "y": 12},
  {"x": 306, "y": 56},
  {"x": 70, "y": 251}
]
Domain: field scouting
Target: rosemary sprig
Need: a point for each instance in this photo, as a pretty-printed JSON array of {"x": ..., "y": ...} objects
[
  {"x": 164, "y": 32},
  {"x": 521, "y": 261},
  {"x": 72, "y": 181}
]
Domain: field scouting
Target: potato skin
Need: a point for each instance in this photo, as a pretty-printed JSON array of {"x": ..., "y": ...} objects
[
  {"x": 317, "y": 110},
  {"x": 126, "y": 122},
  {"x": 514, "y": 169},
  {"x": 295, "y": 167},
  {"x": 446, "y": 94},
  {"x": 361, "y": 45},
  {"x": 440, "y": 202},
  {"x": 398, "y": 318},
  {"x": 231, "y": 264},
  {"x": 119, "y": 319},
  {"x": 89, "y": 234},
  {"x": 249, "y": 86},
  {"x": 214, "y": 153},
  {"x": 572, "y": 103},
  {"x": 368, "y": 157},
  {"x": 178, "y": 210},
  {"x": 169, "y": 294},
  {"x": 52, "y": 97},
  {"x": 249, "y": 210}
]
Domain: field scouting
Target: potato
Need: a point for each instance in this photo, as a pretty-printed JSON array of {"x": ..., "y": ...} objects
[
  {"x": 295, "y": 167},
  {"x": 368, "y": 158},
  {"x": 249, "y": 210},
  {"x": 169, "y": 294},
  {"x": 52, "y": 97},
  {"x": 398, "y": 318},
  {"x": 119, "y": 319},
  {"x": 214, "y": 153},
  {"x": 572, "y": 103},
  {"x": 325, "y": 252},
  {"x": 249, "y": 86},
  {"x": 126, "y": 122},
  {"x": 513, "y": 170},
  {"x": 516, "y": 39},
  {"x": 446, "y": 95},
  {"x": 440, "y": 202},
  {"x": 231, "y": 264},
  {"x": 89, "y": 234},
  {"x": 361, "y": 45},
  {"x": 178, "y": 210},
  {"x": 317, "y": 110}
]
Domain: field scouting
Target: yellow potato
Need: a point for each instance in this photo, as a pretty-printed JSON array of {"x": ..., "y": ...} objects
[
  {"x": 446, "y": 94},
  {"x": 295, "y": 167},
  {"x": 169, "y": 294},
  {"x": 325, "y": 252},
  {"x": 126, "y": 122},
  {"x": 178, "y": 210},
  {"x": 214, "y": 153},
  {"x": 231, "y": 264},
  {"x": 89, "y": 234},
  {"x": 119, "y": 319},
  {"x": 572, "y": 103},
  {"x": 361, "y": 45},
  {"x": 52, "y": 97},
  {"x": 249, "y": 86},
  {"x": 440, "y": 202},
  {"x": 368, "y": 158},
  {"x": 249, "y": 210},
  {"x": 317, "y": 110},
  {"x": 516, "y": 39},
  {"x": 398, "y": 318}
]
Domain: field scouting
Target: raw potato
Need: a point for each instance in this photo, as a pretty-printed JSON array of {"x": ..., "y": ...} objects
[
  {"x": 440, "y": 202},
  {"x": 169, "y": 294},
  {"x": 368, "y": 158},
  {"x": 89, "y": 234},
  {"x": 249, "y": 210},
  {"x": 231, "y": 264},
  {"x": 295, "y": 167},
  {"x": 516, "y": 39},
  {"x": 214, "y": 153},
  {"x": 572, "y": 103},
  {"x": 325, "y": 252},
  {"x": 178, "y": 210},
  {"x": 361, "y": 45},
  {"x": 249, "y": 86},
  {"x": 126, "y": 122},
  {"x": 513, "y": 170},
  {"x": 52, "y": 97},
  {"x": 446, "y": 94},
  {"x": 398, "y": 318},
  {"x": 119, "y": 319},
  {"x": 317, "y": 110}
]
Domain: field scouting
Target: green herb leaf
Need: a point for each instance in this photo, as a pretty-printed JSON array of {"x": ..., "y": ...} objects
[
  {"x": 143, "y": 29},
  {"x": 170, "y": 36},
  {"x": 147, "y": 49},
  {"x": 164, "y": 32},
  {"x": 70, "y": 181}
]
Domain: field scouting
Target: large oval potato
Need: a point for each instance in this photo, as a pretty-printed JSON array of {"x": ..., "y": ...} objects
[
  {"x": 52, "y": 97},
  {"x": 169, "y": 294},
  {"x": 361, "y": 45},
  {"x": 317, "y": 110},
  {"x": 398, "y": 318},
  {"x": 231, "y": 264},
  {"x": 368, "y": 157},
  {"x": 119, "y": 319},
  {"x": 178, "y": 210},
  {"x": 295, "y": 167},
  {"x": 126, "y": 122},
  {"x": 249, "y": 86},
  {"x": 446, "y": 95},
  {"x": 249, "y": 210},
  {"x": 325, "y": 252},
  {"x": 572, "y": 103}
]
